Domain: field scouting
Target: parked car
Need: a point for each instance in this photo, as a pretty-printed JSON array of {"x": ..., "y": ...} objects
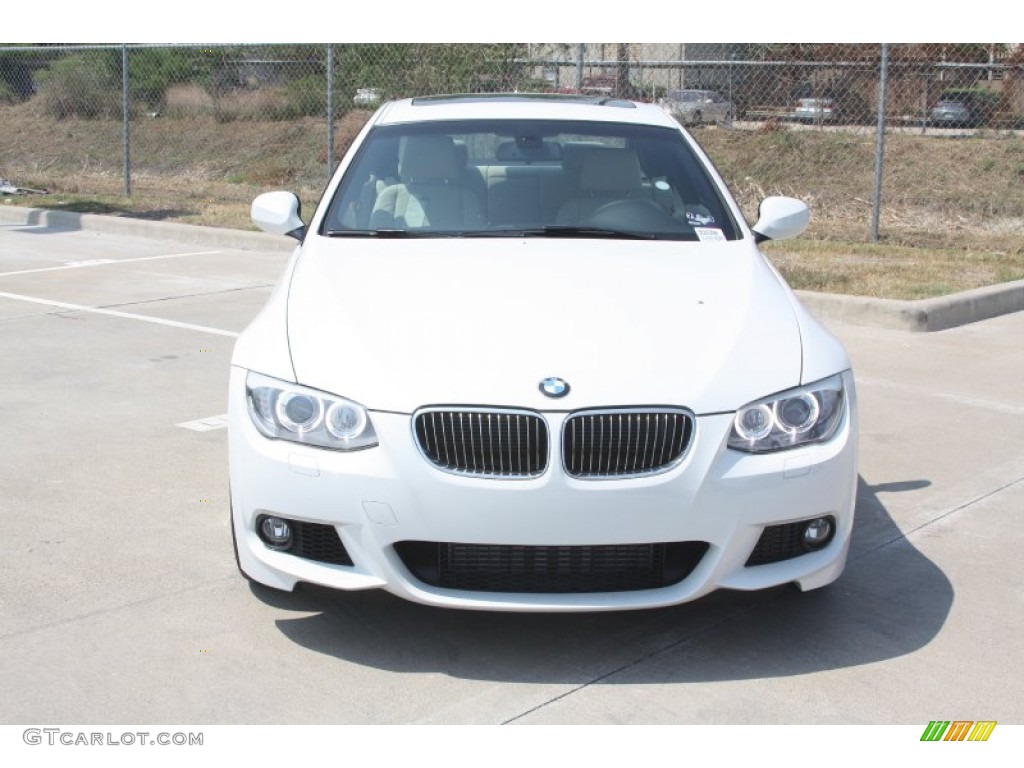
[
  {"x": 963, "y": 109},
  {"x": 607, "y": 86},
  {"x": 691, "y": 107},
  {"x": 840, "y": 106},
  {"x": 367, "y": 97},
  {"x": 527, "y": 356},
  {"x": 815, "y": 111}
]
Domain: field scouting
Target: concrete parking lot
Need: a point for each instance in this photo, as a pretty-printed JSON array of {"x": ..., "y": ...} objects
[{"x": 120, "y": 600}]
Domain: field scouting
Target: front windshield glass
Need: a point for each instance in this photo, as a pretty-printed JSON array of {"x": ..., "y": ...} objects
[{"x": 528, "y": 178}]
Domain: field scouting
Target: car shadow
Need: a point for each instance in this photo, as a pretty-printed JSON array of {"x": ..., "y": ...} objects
[{"x": 890, "y": 601}]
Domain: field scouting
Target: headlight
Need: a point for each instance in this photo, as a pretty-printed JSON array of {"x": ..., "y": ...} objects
[
  {"x": 289, "y": 412},
  {"x": 809, "y": 414}
]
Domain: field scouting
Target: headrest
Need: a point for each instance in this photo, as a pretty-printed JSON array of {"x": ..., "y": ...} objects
[
  {"x": 610, "y": 170},
  {"x": 573, "y": 154},
  {"x": 429, "y": 158}
]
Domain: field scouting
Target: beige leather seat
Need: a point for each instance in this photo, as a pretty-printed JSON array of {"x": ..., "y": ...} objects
[
  {"x": 431, "y": 194},
  {"x": 606, "y": 175}
]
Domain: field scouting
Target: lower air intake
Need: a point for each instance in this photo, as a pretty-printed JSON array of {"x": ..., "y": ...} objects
[
  {"x": 551, "y": 569},
  {"x": 319, "y": 542}
]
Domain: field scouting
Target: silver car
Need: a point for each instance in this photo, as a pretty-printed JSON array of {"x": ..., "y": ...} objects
[
  {"x": 958, "y": 113},
  {"x": 815, "y": 111},
  {"x": 692, "y": 107},
  {"x": 367, "y": 97}
]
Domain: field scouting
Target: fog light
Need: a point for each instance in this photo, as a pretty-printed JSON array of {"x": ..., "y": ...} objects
[
  {"x": 275, "y": 532},
  {"x": 818, "y": 533}
]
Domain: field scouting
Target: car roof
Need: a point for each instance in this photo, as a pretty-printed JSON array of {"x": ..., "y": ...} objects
[{"x": 519, "y": 106}]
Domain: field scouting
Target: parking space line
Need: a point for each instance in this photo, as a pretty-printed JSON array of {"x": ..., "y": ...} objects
[
  {"x": 99, "y": 262},
  {"x": 208, "y": 424},
  {"x": 115, "y": 313}
]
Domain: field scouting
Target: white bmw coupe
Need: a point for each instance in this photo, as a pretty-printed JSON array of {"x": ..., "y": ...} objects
[{"x": 527, "y": 356}]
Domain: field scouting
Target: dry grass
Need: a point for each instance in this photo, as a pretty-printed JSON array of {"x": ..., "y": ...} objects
[
  {"x": 890, "y": 271},
  {"x": 953, "y": 215},
  {"x": 936, "y": 191},
  {"x": 187, "y": 101}
]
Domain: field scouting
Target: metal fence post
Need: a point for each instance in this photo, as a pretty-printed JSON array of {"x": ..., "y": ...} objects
[
  {"x": 883, "y": 82},
  {"x": 579, "y": 67},
  {"x": 732, "y": 61},
  {"x": 125, "y": 133},
  {"x": 330, "y": 111}
]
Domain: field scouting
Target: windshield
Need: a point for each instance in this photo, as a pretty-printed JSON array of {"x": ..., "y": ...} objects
[{"x": 527, "y": 178}]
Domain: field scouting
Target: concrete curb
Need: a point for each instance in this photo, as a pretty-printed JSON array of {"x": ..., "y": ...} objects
[
  {"x": 935, "y": 314},
  {"x": 188, "y": 234},
  {"x": 925, "y": 315}
]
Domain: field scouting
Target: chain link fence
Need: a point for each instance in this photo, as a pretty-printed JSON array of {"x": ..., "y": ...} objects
[{"x": 933, "y": 158}]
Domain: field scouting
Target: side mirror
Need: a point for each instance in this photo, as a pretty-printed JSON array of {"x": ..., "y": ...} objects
[
  {"x": 278, "y": 214},
  {"x": 780, "y": 218}
]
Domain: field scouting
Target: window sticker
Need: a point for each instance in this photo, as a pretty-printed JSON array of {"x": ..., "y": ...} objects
[
  {"x": 709, "y": 234},
  {"x": 699, "y": 218}
]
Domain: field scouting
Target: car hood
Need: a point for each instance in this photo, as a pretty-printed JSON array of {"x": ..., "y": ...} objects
[{"x": 399, "y": 324}]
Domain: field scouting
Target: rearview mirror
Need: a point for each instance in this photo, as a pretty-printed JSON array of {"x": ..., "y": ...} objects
[
  {"x": 278, "y": 214},
  {"x": 780, "y": 218}
]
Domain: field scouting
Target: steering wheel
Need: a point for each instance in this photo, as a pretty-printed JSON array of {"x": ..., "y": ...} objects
[{"x": 633, "y": 213}]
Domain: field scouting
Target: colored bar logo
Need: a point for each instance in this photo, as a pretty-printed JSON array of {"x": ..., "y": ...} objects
[{"x": 958, "y": 730}]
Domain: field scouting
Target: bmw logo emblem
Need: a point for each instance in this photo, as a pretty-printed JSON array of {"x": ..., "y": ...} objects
[{"x": 554, "y": 387}]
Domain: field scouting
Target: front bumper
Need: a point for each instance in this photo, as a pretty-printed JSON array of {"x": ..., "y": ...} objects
[{"x": 381, "y": 496}]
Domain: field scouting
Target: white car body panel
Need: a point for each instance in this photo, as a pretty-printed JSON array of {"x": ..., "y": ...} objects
[
  {"x": 264, "y": 344},
  {"x": 719, "y": 329}
]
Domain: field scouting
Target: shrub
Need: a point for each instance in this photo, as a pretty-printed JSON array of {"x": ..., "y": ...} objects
[
  {"x": 152, "y": 71},
  {"x": 15, "y": 79},
  {"x": 7, "y": 95},
  {"x": 308, "y": 96},
  {"x": 82, "y": 85}
]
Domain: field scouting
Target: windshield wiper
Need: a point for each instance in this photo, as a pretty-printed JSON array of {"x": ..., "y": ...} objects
[
  {"x": 374, "y": 233},
  {"x": 400, "y": 233},
  {"x": 558, "y": 231},
  {"x": 555, "y": 230},
  {"x": 561, "y": 230}
]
